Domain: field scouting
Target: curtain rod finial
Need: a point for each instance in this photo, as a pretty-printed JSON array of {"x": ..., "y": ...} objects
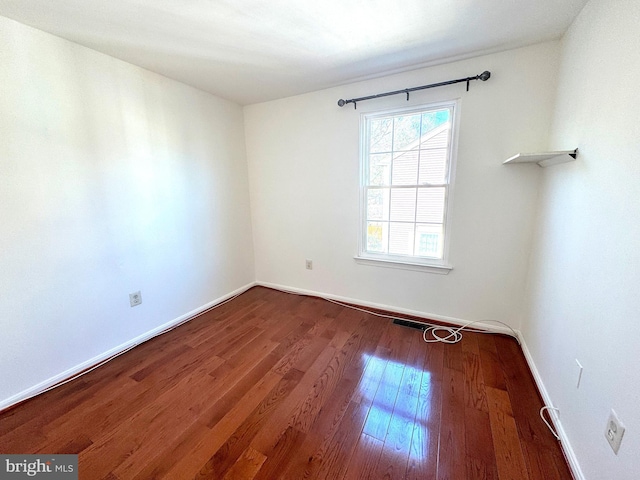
[
  {"x": 484, "y": 76},
  {"x": 341, "y": 103}
]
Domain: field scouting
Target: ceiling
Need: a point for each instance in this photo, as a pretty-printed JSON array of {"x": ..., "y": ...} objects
[{"x": 251, "y": 51}]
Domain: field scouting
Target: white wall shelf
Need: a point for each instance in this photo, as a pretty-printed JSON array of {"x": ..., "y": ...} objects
[{"x": 544, "y": 159}]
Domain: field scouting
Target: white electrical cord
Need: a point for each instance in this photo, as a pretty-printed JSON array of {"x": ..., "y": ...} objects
[
  {"x": 439, "y": 333},
  {"x": 444, "y": 334},
  {"x": 542, "y": 410}
]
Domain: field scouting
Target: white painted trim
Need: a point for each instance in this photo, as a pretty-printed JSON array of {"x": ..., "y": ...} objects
[
  {"x": 419, "y": 267},
  {"x": 393, "y": 309},
  {"x": 397, "y": 261},
  {"x": 42, "y": 386},
  {"x": 553, "y": 414}
]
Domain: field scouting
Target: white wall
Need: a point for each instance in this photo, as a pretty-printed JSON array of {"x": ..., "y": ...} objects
[
  {"x": 303, "y": 169},
  {"x": 584, "y": 300},
  {"x": 112, "y": 179}
]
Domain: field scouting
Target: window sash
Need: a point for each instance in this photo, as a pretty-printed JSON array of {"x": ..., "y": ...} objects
[{"x": 418, "y": 239}]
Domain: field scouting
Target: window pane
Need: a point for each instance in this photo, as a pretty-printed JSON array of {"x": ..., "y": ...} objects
[
  {"x": 429, "y": 240},
  {"x": 433, "y": 166},
  {"x": 405, "y": 168},
  {"x": 438, "y": 138},
  {"x": 403, "y": 204},
  {"x": 380, "y": 135},
  {"x": 406, "y": 132},
  {"x": 433, "y": 119},
  {"x": 378, "y": 204},
  {"x": 377, "y": 237},
  {"x": 430, "y": 205},
  {"x": 401, "y": 238},
  {"x": 379, "y": 169}
]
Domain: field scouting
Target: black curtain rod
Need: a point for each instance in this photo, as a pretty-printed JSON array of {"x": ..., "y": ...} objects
[{"x": 484, "y": 76}]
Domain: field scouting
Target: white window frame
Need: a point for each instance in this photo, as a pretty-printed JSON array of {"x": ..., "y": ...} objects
[{"x": 432, "y": 265}]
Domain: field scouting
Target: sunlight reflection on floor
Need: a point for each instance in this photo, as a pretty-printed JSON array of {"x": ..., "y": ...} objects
[{"x": 397, "y": 410}]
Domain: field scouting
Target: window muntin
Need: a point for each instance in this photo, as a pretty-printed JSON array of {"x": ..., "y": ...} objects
[{"x": 406, "y": 173}]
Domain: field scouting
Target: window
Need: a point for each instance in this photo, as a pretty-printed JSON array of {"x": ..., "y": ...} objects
[{"x": 407, "y": 163}]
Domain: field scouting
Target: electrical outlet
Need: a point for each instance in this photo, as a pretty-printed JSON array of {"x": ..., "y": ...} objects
[
  {"x": 309, "y": 264},
  {"x": 135, "y": 298},
  {"x": 614, "y": 431}
]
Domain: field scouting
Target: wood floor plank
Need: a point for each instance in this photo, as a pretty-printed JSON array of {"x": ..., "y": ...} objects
[
  {"x": 478, "y": 470},
  {"x": 324, "y": 326},
  {"x": 525, "y": 399},
  {"x": 293, "y": 328},
  {"x": 423, "y": 458},
  {"x": 340, "y": 448},
  {"x": 364, "y": 458},
  {"x": 222, "y": 459},
  {"x": 119, "y": 449},
  {"x": 479, "y": 447},
  {"x": 280, "y": 419},
  {"x": 308, "y": 355},
  {"x": 480, "y": 457},
  {"x": 453, "y": 356},
  {"x": 508, "y": 451},
  {"x": 247, "y": 465},
  {"x": 301, "y": 354},
  {"x": 452, "y": 427},
  {"x": 192, "y": 463},
  {"x": 474, "y": 392},
  {"x": 74, "y": 446},
  {"x": 111, "y": 411},
  {"x": 491, "y": 370},
  {"x": 20, "y": 432},
  {"x": 228, "y": 328},
  {"x": 160, "y": 465},
  {"x": 381, "y": 409},
  {"x": 239, "y": 342},
  {"x": 397, "y": 443},
  {"x": 544, "y": 463},
  {"x": 247, "y": 377},
  {"x": 278, "y": 455},
  {"x": 326, "y": 383},
  {"x": 227, "y": 374},
  {"x": 272, "y": 385},
  {"x": 312, "y": 451},
  {"x": 368, "y": 385}
]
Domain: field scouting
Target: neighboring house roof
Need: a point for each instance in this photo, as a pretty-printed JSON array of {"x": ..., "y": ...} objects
[{"x": 436, "y": 138}]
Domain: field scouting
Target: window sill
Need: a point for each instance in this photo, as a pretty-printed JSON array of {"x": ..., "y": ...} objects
[{"x": 419, "y": 267}]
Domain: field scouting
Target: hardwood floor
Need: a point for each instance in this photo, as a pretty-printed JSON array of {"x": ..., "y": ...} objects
[{"x": 272, "y": 385}]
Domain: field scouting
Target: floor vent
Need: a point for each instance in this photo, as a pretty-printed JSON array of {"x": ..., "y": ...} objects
[{"x": 409, "y": 323}]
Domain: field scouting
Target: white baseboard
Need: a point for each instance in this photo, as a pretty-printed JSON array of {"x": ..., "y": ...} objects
[
  {"x": 42, "y": 386},
  {"x": 391, "y": 308},
  {"x": 554, "y": 415},
  {"x": 564, "y": 440}
]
